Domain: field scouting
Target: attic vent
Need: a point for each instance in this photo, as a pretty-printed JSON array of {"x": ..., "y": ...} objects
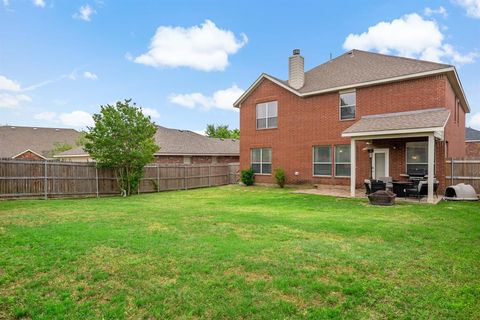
[
  {"x": 12, "y": 127},
  {"x": 34, "y": 128},
  {"x": 57, "y": 129}
]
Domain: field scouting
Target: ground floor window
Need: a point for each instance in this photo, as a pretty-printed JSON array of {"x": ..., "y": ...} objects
[
  {"x": 261, "y": 160},
  {"x": 322, "y": 161},
  {"x": 342, "y": 160},
  {"x": 417, "y": 157}
]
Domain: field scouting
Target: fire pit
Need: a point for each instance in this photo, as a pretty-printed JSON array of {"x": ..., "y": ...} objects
[{"x": 382, "y": 198}]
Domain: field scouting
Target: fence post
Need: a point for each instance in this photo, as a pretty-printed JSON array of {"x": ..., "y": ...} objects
[
  {"x": 209, "y": 175},
  {"x": 452, "y": 168},
  {"x": 96, "y": 178},
  {"x": 185, "y": 177},
  {"x": 158, "y": 178},
  {"x": 45, "y": 186}
]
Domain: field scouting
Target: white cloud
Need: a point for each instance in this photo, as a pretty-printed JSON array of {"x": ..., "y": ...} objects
[
  {"x": 222, "y": 99},
  {"x": 39, "y": 3},
  {"x": 6, "y": 3},
  {"x": 440, "y": 11},
  {"x": 46, "y": 116},
  {"x": 76, "y": 119},
  {"x": 12, "y": 101},
  {"x": 409, "y": 36},
  {"x": 8, "y": 84},
  {"x": 151, "y": 112},
  {"x": 84, "y": 13},
  {"x": 203, "y": 47},
  {"x": 90, "y": 75},
  {"x": 474, "y": 121},
  {"x": 472, "y": 7}
]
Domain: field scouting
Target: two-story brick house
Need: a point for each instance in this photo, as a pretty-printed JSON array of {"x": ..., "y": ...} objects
[{"x": 361, "y": 111}]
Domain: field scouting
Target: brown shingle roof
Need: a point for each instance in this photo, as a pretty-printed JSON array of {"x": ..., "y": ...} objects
[
  {"x": 429, "y": 118},
  {"x": 184, "y": 142},
  {"x": 358, "y": 66},
  {"x": 14, "y": 140}
]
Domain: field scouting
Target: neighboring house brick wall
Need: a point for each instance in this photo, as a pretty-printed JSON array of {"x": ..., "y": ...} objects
[
  {"x": 306, "y": 122},
  {"x": 196, "y": 159},
  {"x": 169, "y": 159},
  {"x": 28, "y": 155},
  {"x": 228, "y": 159},
  {"x": 472, "y": 149}
]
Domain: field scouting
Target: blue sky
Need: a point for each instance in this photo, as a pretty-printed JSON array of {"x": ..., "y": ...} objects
[{"x": 185, "y": 62}]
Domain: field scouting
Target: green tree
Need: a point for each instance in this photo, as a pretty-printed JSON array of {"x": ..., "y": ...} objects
[
  {"x": 122, "y": 139},
  {"x": 59, "y": 147},
  {"x": 222, "y": 131}
]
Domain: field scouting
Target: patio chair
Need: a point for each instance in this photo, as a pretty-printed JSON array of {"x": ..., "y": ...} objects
[
  {"x": 421, "y": 190},
  {"x": 388, "y": 181},
  {"x": 376, "y": 185},
  {"x": 367, "y": 184}
]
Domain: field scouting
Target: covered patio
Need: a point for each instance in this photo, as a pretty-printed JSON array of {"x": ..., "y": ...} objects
[{"x": 391, "y": 140}]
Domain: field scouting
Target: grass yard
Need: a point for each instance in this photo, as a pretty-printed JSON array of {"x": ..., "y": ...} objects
[{"x": 236, "y": 252}]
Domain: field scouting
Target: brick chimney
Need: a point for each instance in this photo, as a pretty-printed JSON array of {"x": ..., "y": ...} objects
[{"x": 296, "y": 73}]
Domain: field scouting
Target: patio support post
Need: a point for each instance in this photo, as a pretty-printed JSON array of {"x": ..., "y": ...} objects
[
  {"x": 431, "y": 173},
  {"x": 353, "y": 165}
]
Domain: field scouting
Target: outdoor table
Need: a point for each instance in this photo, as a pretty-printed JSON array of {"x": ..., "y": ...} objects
[{"x": 399, "y": 187}]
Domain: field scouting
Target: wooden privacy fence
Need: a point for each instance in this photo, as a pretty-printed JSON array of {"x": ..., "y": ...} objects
[
  {"x": 52, "y": 179},
  {"x": 463, "y": 170}
]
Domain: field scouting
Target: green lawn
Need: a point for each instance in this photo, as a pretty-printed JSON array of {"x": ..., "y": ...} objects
[{"x": 236, "y": 252}]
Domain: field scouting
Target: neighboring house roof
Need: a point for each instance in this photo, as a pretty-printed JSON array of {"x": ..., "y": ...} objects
[
  {"x": 358, "y": 68},
  {"x": 426, "y": 120},
  {"x": 181, "y": 142},
  {"x": 15, "y": 140},
  {"x": 472, "y": 134}
]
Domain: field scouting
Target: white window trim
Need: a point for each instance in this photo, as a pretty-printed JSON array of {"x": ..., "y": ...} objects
[
  {"x": 261, "y": 163},
  {"x": 350, "y": 105},
  {"x": 335, "y": 162},
  {"x": 266, "y": 115},
  {"x": 314, "y": 163}
]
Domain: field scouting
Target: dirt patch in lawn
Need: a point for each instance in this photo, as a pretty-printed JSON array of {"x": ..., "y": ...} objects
[{"x": 249, "y": 276}]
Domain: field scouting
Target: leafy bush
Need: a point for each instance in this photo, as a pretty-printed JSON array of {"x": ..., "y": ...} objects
[
  {"x": 248, "y": 177},
  {"x": 280, "y": 177}
]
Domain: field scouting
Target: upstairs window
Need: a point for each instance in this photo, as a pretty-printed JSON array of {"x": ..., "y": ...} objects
[
  {"x": 348, "y": 100},
  {"x": 261, "y": 160},
  {"x": 267, "y": 115}
]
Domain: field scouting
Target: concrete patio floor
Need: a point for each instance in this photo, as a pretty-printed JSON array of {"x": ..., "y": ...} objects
[{"x": 344, "y": 192}]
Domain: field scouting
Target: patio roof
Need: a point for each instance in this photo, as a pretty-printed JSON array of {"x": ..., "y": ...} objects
[{"x": 400, "y": 123}]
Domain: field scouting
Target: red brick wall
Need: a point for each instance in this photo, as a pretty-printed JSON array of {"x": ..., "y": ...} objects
[
  {"x": 29, "y": 156},
  {"x": 196, "y": 159},
  {"x": 473, "y": 149},
  {"x": 229, "y": 159},
  {"x": 455, "y": 129},
  {"x": 306, "y": 122},
  {"x": 169, "y": 159},
  {"x": 202, "y": 160}
]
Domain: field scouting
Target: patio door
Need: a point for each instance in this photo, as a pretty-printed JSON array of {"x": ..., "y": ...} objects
[{"x": 380, "y": 160}]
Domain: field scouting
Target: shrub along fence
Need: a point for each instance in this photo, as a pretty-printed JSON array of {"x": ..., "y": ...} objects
[
  {"x": 463, "y": 170},
  {"x": 54, "y": 179}
]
